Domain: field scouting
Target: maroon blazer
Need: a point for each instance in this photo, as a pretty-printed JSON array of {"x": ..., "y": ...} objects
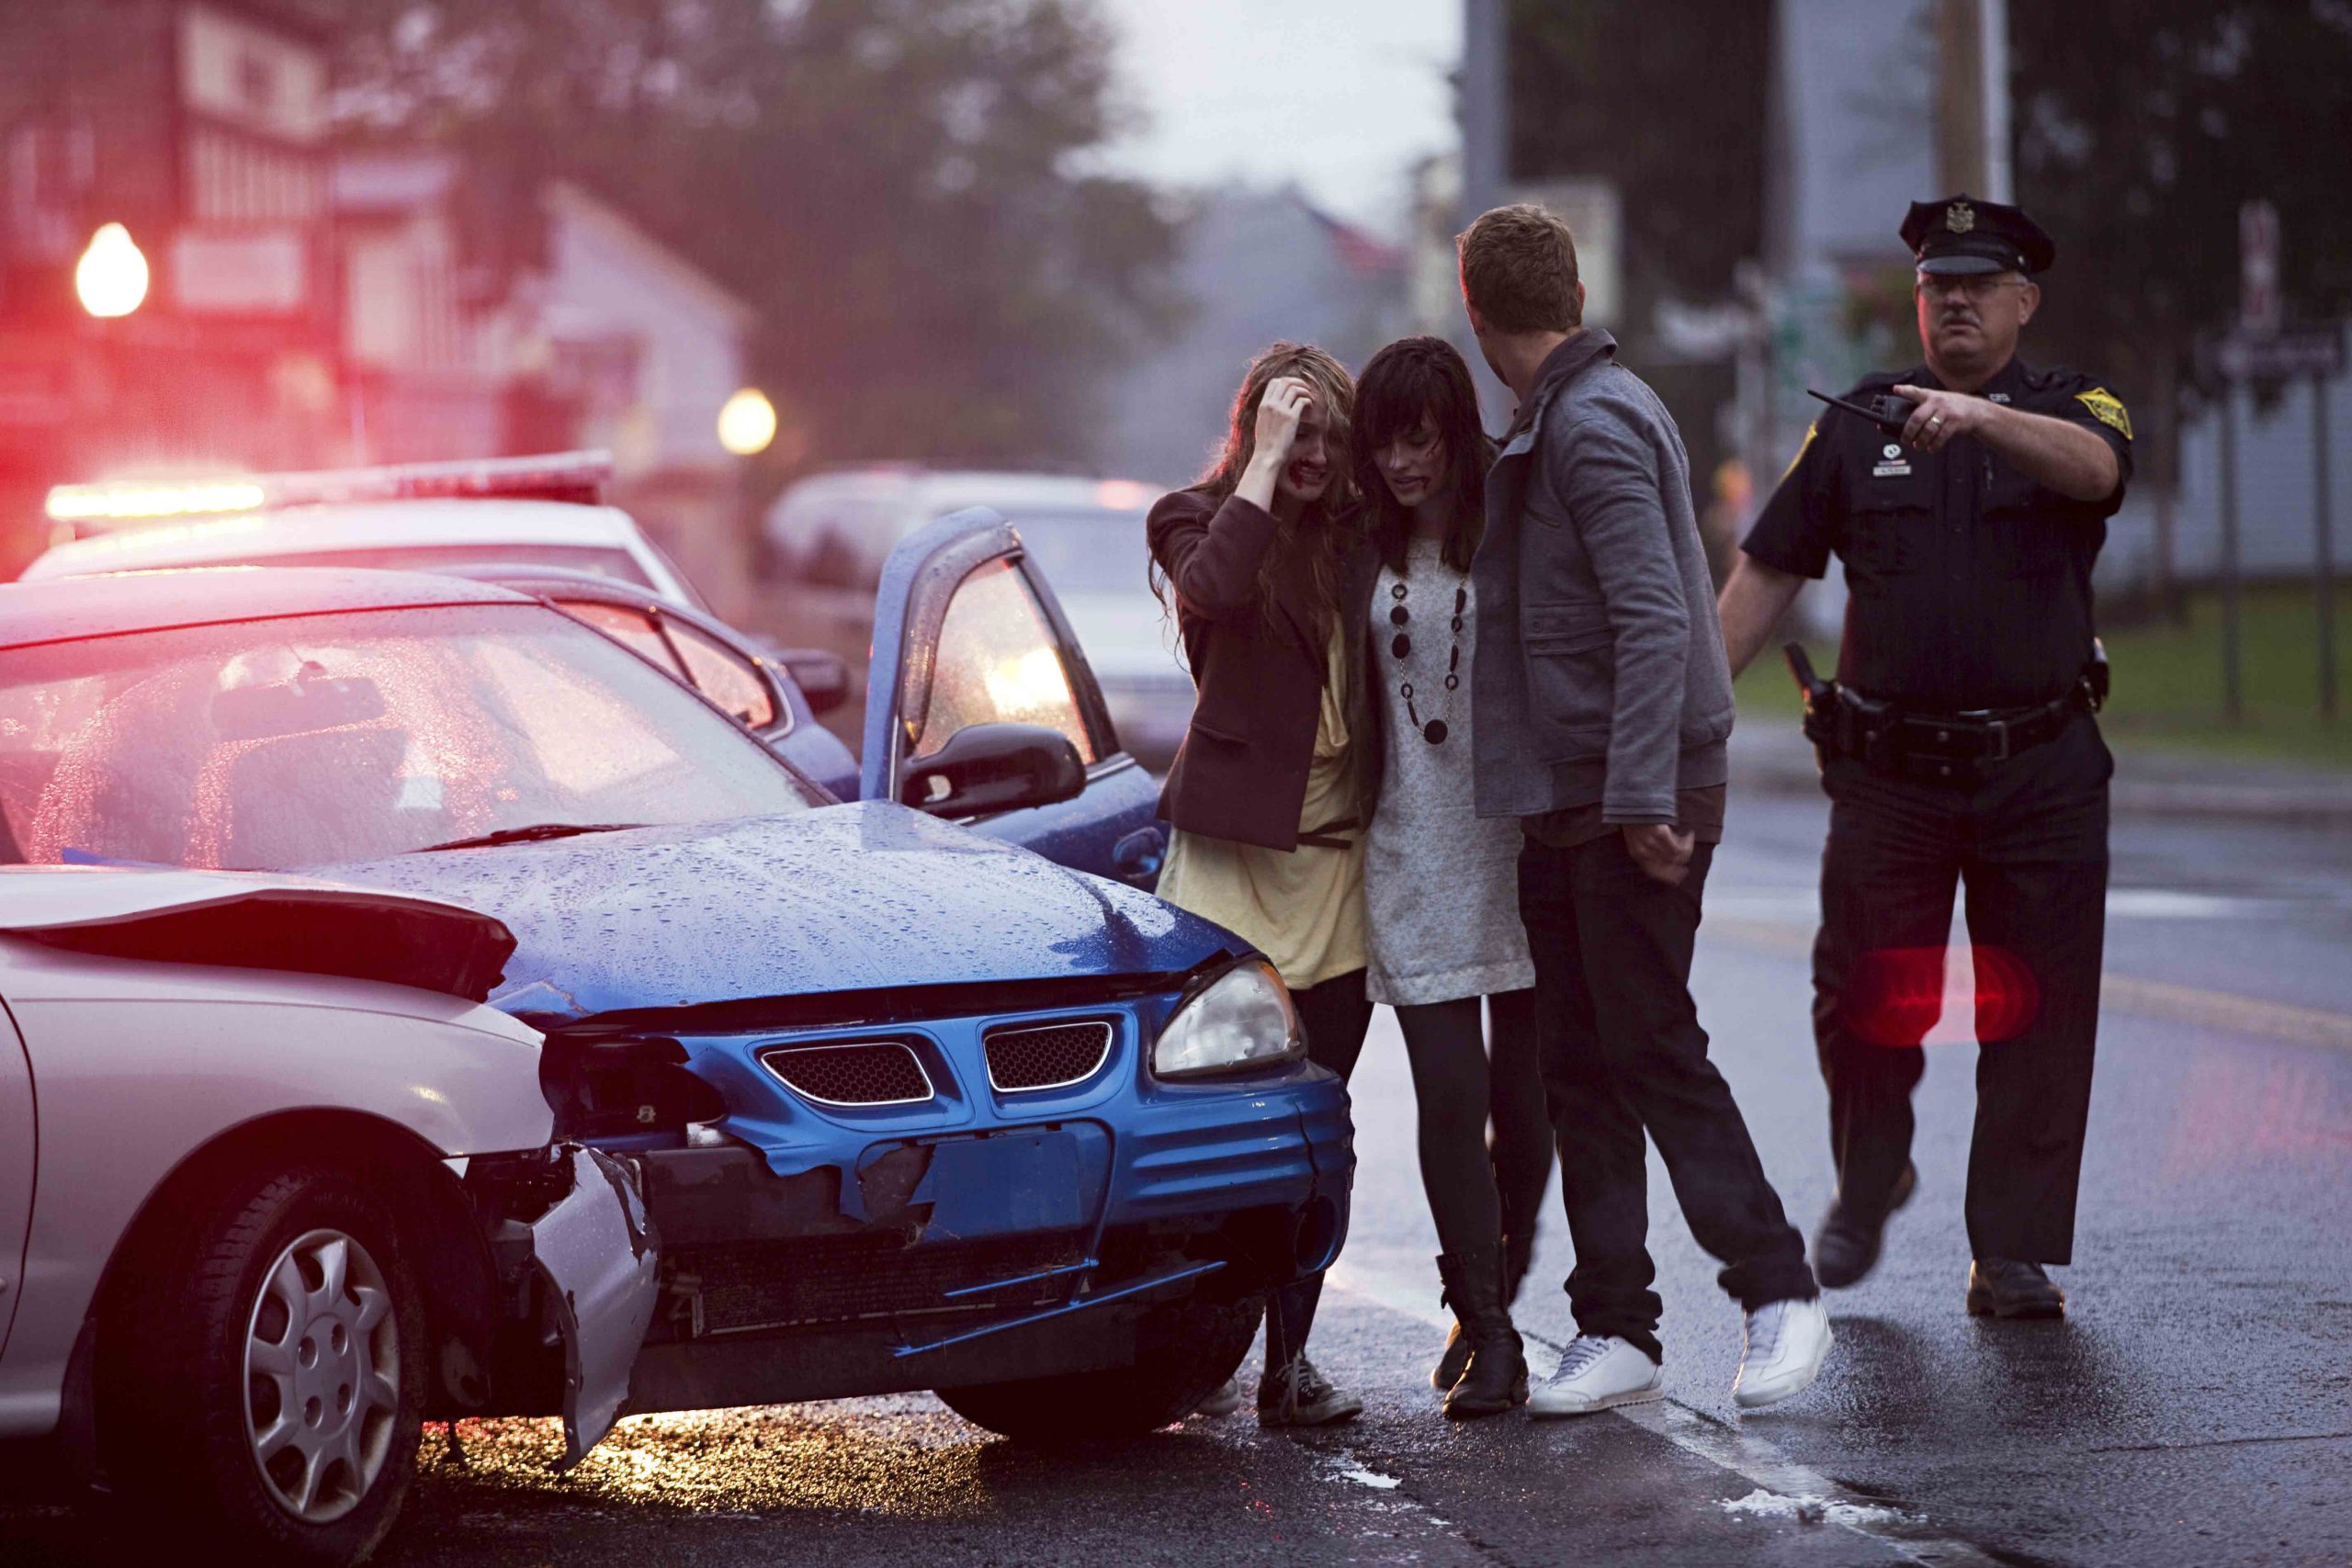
[{"x": 1241, "y": 773}]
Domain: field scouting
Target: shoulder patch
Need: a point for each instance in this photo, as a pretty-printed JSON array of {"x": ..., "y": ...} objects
[
  {"x": 1803, "y": 447},
  {"x": 2108, "y": 409}
]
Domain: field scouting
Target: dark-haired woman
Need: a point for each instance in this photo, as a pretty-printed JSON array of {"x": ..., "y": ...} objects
[
  {"x": 1264, "y": 792},
  {"x": 1440, "y": 883}
]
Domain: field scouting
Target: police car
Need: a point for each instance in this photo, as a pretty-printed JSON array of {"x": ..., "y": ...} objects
[{"x": 532, "y": 512}]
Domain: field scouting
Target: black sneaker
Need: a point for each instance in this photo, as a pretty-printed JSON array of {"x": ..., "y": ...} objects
[
  {"x": 1845, "y": 1250},
  {"x": 1298, "y": 1395},
  {"x": 2003, "y": 1287}
]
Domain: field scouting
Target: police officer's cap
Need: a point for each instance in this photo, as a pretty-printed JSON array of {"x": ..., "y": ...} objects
[{"x": 1962, "y": 235}]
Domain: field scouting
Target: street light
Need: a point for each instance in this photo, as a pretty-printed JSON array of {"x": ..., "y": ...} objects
[
  {"x": 747, "y": 422},
  {"x": 111, "y": 276}
]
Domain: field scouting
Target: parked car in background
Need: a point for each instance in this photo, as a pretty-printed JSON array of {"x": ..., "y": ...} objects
[
  {"x": 283, "y": 1189},
  {"x": 910, "y": 1106},
  {"x": 541, "y": 511},
  {"x": 833, "y": 530}
]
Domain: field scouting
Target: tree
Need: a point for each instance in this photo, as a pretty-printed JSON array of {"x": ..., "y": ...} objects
[
  {"x": 889, "y": 181},
  {"x": 2141, "y": 127},
  {"x": 1669, "y": 107}
]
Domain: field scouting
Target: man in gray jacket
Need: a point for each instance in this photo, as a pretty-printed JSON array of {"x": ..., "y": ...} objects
[{"x": 1601, "y": 702}]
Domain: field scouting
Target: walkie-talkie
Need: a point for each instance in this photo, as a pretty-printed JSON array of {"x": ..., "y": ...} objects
[{"x": 1884, "y": 409}]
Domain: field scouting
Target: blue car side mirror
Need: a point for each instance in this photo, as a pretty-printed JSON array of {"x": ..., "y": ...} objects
[{"x": 987, "y": 768}]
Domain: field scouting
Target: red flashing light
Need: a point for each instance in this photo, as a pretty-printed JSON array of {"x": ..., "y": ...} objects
[
  {"x": 575, "y": 476},
  {"x": 1895, "y": 996}
]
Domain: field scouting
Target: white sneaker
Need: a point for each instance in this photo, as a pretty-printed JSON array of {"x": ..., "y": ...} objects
[
  {"x": 1594, "y": 1375},
  {"x": 1787, "y": 1342}
]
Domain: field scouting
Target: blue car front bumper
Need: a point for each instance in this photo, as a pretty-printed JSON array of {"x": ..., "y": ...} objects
[{"x": 971, "y": 1232}]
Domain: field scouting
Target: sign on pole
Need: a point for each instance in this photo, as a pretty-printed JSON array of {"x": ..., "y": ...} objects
[
  {"x": 2257, "y": 269},
  {"x": 2285, "y": 355}
]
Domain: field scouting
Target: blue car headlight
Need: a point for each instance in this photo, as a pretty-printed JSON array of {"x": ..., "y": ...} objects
[{"x": 1241, "y": 1020}]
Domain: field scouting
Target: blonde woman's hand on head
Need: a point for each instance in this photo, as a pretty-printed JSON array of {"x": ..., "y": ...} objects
[{"x": 1285, "y": 404}]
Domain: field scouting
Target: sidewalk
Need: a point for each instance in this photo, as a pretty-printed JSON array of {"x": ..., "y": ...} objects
[{"x": 1772, "y": 757}]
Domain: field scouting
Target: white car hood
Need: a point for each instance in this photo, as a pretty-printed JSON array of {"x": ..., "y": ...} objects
[{"x": 257, "y": 921}]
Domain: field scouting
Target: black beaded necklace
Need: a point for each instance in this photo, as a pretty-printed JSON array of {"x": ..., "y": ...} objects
[{"x": 1402, "y": 644}]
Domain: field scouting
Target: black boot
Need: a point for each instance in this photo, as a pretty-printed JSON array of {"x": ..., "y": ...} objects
[
  {"x": 1453, "y": 1361},
  {"x": 1519, "y": 1253},
  {"x": 1496, "y": 1380},
  {"x": 1846, "y": 1248},
  {"x": 2003, "y": 1287}
]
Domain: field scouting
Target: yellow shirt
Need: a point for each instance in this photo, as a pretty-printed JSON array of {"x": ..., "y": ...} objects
[{"x": 1303, "y": 908}]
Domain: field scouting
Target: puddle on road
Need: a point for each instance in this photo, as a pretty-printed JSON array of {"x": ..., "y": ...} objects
[
  {"x": 1345, "y": 1466},
  {"x": 1763, "y": 1505}
]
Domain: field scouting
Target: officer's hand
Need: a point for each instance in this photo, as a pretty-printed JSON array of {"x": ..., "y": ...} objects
[
  {"x": 1943, "y": 416},
  {"x": 1660, "y": 851}
]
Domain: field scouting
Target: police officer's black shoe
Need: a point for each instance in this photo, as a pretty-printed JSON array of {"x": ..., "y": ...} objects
[
  {"x": 2003, "y": 1287},
  {"x": 1846, "y": 1248}
]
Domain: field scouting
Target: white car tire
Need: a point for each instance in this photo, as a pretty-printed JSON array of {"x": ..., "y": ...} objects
[{"x": 265, "y": 1376}]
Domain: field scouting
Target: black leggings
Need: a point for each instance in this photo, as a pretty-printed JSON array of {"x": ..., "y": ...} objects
[
  {"x": 1335, "y": 1016},
  {"x": 1477, "y": 1195}
]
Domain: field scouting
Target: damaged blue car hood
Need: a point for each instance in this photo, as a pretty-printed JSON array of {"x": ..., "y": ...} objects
[{"x": 842, "y": 898}]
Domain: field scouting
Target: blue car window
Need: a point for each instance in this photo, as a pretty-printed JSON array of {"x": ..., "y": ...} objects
[
  {"x": 316, "y": 740},
  {"x": 997, "y": 662}
]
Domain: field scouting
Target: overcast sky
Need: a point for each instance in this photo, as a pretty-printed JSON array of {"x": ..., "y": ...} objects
[{"x": 1342, "y": 96}]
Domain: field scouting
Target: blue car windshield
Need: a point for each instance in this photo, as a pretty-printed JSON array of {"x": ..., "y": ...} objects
[{"x": 313, "y": 739}]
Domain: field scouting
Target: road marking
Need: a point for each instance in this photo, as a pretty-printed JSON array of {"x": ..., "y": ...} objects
[
  {"x": 2223, "y": 1011},
  {"x": 1735, "y": 1449}
]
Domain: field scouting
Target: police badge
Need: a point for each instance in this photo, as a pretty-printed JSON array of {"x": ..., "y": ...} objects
[{"x": 1960, "y": 217}]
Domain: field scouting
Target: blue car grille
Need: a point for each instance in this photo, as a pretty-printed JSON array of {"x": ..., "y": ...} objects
[
  {"x": 1052, "y": 1056},
  {"x": 861, "y": 1072}
]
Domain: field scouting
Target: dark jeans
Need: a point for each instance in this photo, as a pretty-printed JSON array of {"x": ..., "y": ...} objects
[
  {"x": 1624, "y": 1053},
  {"x": 1480, "y": 1195},
  {"x": 2030, "y": 845},
  {"x": 1336, "y": 1015}
]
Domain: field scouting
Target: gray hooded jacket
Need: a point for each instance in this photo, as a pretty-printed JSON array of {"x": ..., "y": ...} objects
[{"x": 1600, "y": 673}]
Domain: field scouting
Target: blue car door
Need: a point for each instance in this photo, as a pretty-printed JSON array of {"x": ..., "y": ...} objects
[{"x": 967, "y": 631}]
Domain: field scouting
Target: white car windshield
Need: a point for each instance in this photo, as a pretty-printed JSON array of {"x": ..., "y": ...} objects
[{"x": 314, "y": 740}]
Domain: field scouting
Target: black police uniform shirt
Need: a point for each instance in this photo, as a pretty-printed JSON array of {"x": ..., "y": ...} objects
[{"x": 1969, "y": 583}]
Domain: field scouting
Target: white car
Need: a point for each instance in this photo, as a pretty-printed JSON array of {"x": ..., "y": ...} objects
[
  {"x": 275, "y": 1187},
  {"x": 507, "y": 512},
  {"x": 835, "y": 528}
]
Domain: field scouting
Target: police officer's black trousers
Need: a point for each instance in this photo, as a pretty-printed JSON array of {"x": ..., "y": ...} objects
[
  {"x": 1624, "y": 1053},
  {"x": 2029, "y": 842}
]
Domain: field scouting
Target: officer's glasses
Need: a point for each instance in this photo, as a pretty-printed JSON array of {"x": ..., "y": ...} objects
[{"x": 1975, "y": 287}]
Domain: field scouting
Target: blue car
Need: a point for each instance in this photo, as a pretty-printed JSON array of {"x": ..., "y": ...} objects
[{"x": 920, "y": 1090}]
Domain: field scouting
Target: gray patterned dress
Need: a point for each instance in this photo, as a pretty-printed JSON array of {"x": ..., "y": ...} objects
[{"x": 1441, "y": 885}]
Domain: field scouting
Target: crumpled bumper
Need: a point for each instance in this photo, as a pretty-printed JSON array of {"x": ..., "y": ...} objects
[{"x": 596, "y": 1250}]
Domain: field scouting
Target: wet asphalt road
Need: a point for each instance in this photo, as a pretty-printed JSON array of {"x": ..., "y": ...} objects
[{"x": 2195, "y": 1409}]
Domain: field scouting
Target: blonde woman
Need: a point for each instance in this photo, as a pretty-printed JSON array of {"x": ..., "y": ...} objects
[{"x": 1265, "y": 793}]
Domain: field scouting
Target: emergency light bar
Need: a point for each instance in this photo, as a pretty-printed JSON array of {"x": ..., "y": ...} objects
[{"x": 576, "y": 476}]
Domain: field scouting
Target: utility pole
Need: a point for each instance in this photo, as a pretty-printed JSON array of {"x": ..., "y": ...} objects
[
  {"x": 2324, "y": 552},
  {"x": 1972, "y": 96},
  {"x": 1961, "y": 72}
]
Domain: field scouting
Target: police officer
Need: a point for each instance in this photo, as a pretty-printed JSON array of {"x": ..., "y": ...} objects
[{"x": 1957, "y": 745}]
